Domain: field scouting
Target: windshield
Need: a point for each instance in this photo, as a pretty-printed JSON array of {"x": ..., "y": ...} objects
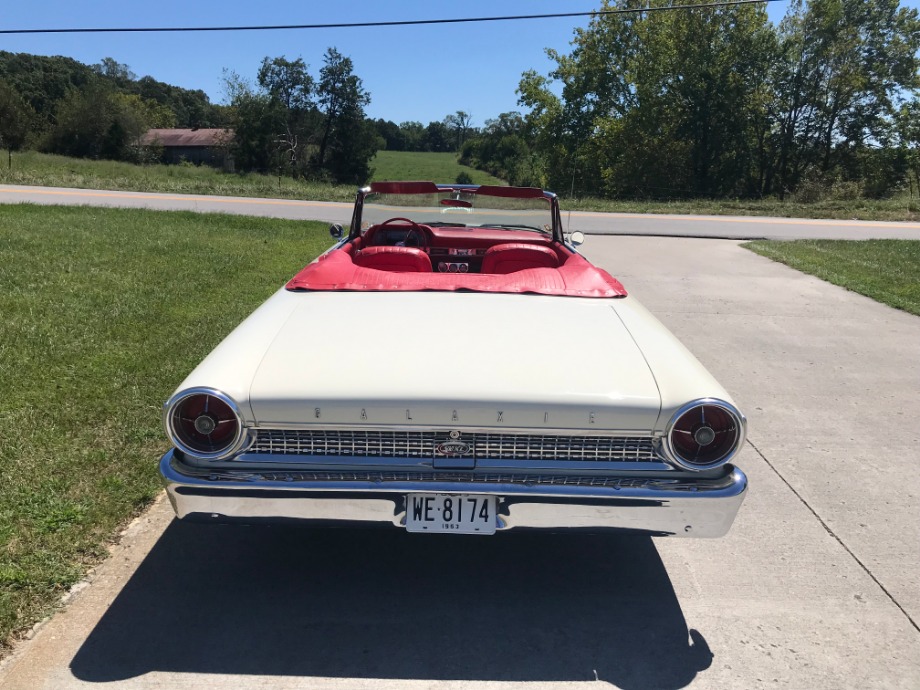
[{"x": 460, "y": 208}]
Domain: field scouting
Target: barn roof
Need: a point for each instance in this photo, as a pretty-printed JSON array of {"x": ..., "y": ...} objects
[{"x": 187, "y": 137}]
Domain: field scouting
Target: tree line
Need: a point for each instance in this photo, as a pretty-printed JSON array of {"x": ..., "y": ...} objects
[
  {"x": 59, "y": 105},
  {"x": 438, "y": 136},
  {"x": 286, "y": 121},
  {"x": 720, "y": 103},
  {"x": 707, "y": 102},
  {"x": 293, "y": 123}
]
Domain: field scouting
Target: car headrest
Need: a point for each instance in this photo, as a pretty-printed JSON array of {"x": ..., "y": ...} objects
[
  {"x": 394, "y": 259},
  {"x": 508, "y": 258}
]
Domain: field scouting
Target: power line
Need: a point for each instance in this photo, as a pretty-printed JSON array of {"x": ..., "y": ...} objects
[{"x": 411, "y": 22}]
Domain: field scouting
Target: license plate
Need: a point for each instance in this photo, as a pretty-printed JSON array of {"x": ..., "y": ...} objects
[{"x": 456, "y": 513}]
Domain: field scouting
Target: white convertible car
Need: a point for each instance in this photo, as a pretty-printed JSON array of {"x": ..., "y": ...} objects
[{"x": 417, "y": 375}]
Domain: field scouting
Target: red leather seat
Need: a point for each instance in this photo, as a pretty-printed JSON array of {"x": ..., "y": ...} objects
[
  {"x": 394, "y": 259},
  {"x": 508, "y": 258}
]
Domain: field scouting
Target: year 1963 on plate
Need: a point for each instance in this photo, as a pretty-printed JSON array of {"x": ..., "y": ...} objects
[{"x": 454, "y": 513}]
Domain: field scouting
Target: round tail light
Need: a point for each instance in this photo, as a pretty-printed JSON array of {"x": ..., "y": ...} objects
[
  {"x": 704, "y": 434},
  {"x": 204, "y": 423}
]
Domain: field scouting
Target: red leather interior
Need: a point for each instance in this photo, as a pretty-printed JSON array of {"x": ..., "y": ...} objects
[
  {"x": 576, "y": 277},
  {"x": 394, "y": 259},
  {"x": 509, "y": 258}
]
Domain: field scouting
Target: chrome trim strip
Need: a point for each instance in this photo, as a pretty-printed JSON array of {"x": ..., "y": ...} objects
[
  {"x": 574, "y": 465},
  {"x": 257, "y": 461},
  {"x": 446, "y": 480},
  {"x": 446, "y": 429},
  {"x": 686, "y": 507},
  {"x": 673, "y": 456}
]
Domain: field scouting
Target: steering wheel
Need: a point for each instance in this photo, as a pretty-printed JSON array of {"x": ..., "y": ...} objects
[{"x": 414, "y": 228}]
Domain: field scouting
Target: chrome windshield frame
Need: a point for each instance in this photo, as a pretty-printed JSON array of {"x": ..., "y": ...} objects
[{"x": 363, "y": 192}]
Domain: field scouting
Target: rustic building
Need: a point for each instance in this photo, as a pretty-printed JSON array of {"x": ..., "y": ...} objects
[{"x": 198, "y": 146}]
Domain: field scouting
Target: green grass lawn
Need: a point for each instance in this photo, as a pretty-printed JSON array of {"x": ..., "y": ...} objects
[
  {"x": 104, "y": 313},
  {"x": 885, "y": 270}
]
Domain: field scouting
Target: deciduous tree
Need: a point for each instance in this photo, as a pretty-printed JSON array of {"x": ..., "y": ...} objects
[
  {"x": 460, "y": 124},
  {"x": 656, "y": 104},
  {"x": 342, "y": 98},
  {"x": 845, "y": 66},
  {"x": 256, "y": 119},
  {"x": 15, "y": 120},
  {"x": 99, "y": 122},
  {"x": 288, "y": 84}
]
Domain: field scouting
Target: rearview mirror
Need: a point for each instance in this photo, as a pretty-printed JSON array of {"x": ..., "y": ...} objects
[{"x": 337, "y": 231}]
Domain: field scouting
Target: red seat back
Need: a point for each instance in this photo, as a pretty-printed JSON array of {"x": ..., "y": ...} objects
[
  {"x": 508, "y": 258},
  {"x": 394, "y": 259}
]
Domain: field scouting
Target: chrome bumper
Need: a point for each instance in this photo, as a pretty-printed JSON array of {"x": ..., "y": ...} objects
[{"x": 662, "y": 507}]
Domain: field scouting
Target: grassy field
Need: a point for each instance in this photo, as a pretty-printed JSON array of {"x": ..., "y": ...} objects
[
  {"x": 885, "y": 270},
  {"x": 437, "y": 167},
  {"x": 104, "y": 313},
  {"x": 30, "y": 168}
]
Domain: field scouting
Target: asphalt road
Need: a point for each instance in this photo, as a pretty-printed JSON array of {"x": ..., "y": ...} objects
[
  {"x": 726, "y": 227},
  {"x": 817, "y": 586}
]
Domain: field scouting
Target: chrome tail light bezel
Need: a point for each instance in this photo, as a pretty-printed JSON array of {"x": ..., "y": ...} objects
[
  {"x": 238, "y": 442},
  {"x": 671, "y": 453}
]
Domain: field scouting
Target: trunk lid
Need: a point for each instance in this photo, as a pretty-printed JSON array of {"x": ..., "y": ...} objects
[{"x": 454, "y": 360}]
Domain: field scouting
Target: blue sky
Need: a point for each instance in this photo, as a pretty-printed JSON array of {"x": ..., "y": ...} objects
[{"x": 412, "y": 73}]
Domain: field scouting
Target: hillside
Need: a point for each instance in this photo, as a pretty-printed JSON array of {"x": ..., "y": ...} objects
[{"x": 44, "y": 83}]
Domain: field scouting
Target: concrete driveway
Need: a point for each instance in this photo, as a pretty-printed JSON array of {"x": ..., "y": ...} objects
[{"x": 816, "y": 586}]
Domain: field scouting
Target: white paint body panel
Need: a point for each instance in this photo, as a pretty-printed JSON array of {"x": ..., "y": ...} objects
[
  {"x": 455, "y": 360},
  {"x": 679, "y": 375}
]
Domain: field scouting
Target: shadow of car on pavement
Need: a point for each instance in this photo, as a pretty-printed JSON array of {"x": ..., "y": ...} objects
[{"x": 386, "y": 604}]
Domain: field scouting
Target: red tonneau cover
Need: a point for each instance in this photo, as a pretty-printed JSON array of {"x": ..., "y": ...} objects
[{"x": 575, "y": 278}]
